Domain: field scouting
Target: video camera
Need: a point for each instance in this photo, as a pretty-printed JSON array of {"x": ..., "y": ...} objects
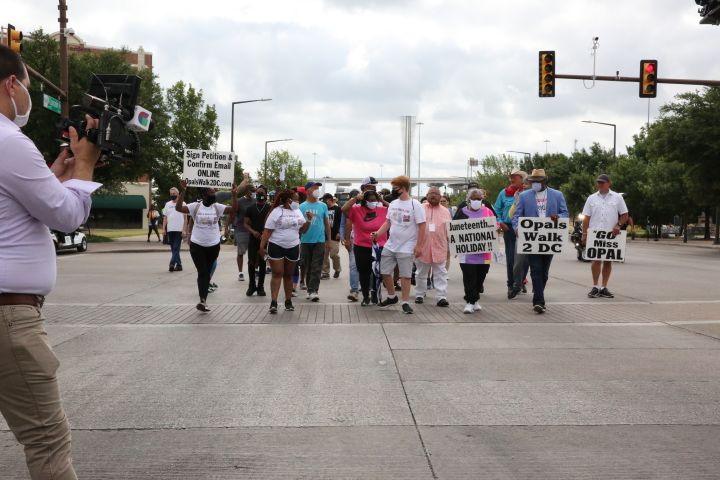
[{"x": 112, "y": 99}]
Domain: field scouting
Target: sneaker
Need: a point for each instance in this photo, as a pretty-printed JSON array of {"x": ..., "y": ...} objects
[
  {"x": 469, "y": 308},
  {"x": 336, "y": 274},
  {"x": 302, "y": 286},
  {"x": 202, "y": 306},
  {"x": 172, "y": 268},
  {"x": 594, "y": 293},
  {"x": 407, "y": 309},
  {"x": 289, "y": 306},
  {"x": 443, "y": 303},
  {"x": 524, "y": 289},
  {"x": 294, "y": 293},
  {"x": 273, "y": 307},
  {"x": 353, "y": 296},
  {"x": 251, "y": 290},
  {"x": 213, "y": 285},
  {"x": 261, "y": 291},
  {"x": 325, "y": 276},
  {"x": 178, "y": 268},
  {"x": 539, "y": 309},
  {"x": 308, "y": 295},
  {"x": 477, "y": 307},
  {"x": 365, "y": 302},
  {"x": 389, "y": 301},
  {"x": 314, "y": 298},
  {"x": 605, "y": 293},
  {"x": 510, "y": 292},
  {"x": 373, "y": 297},
  {"x": 241, "y": 277},
  {"x": 513, "y": 293},
  {"x": 419, "y": 300}
]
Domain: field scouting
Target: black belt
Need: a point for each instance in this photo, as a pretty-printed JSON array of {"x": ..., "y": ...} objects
[{"x": 22, "y": 299}]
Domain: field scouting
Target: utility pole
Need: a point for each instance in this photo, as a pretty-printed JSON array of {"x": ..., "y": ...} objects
[{"x": 64, "y": 80}]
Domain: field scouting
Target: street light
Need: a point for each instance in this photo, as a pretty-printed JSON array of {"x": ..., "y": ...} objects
[
  {"x": 546, "y": 146},
  {"x": 529, "y": 155},
  {"x": 232, "y": 119},
  {"x": 614, "y": 134},
  {"x": 314, "y": 159},
  {"x": 419, "y": 124},
  {"x": 266, "y": 159}
]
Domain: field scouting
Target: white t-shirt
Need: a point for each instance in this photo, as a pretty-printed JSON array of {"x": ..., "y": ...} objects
[
  {"x": 604, "y": 212},
  {"x": 175, "y": 219},
  {"x": 206, "y": 231},
  {"x": 285, "y": 224},
  {"x": 404, "y": 216},
  {"x": 541, "y": 202}
]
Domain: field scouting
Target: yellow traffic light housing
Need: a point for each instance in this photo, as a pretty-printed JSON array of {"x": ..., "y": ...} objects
[
  {"x": 648, "y": 78},
  {"x": 14, "y": 39},
  {"x": 547, "y": 73}
]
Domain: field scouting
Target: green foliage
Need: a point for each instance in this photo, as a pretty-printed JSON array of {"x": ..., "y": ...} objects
[
  {"x": 269, "y": 171},
  {"x": 494, "y": 173}
]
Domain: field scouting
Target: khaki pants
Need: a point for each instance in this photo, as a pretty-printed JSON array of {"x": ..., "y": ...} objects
[
  {"x": 334, "y": 254},
  {"x": 29, "y": 395}
]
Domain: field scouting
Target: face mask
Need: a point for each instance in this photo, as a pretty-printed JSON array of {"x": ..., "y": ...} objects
[
  {"x": 294, "y": 205},
  {"x": 21, "y": 120},
  {"x": 173, "y": 197},
  {"x": 475, "y": 204},
  {"x": 371, "y": 205},
  {"x": 209, "y": 200},
  {"x": 396, "y": 192},
  {"x": 537, "y": 186},
  {"x": 260, "y": 198},
  {"x": 316, "y": 193}
]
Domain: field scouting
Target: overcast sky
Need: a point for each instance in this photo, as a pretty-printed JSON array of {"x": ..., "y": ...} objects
[{"x": 342, "y": 72}]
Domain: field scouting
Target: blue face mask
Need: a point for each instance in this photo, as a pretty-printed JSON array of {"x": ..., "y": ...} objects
[{"x": 537, "y": 186}]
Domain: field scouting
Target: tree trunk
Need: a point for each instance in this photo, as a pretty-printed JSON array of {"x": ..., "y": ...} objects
[{"x": 707, "y": 224}]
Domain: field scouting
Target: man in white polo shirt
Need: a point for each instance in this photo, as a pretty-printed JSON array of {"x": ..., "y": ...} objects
[
  {"x": 34, "y": 197},
  {"x": 604, "y": 210}
]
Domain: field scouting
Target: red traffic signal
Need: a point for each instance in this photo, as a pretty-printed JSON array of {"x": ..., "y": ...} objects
[{"x": 648, "y": 78}]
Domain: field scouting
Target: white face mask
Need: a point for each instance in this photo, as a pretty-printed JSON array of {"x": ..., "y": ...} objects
[
  {"x": 371, "y": 205},
  {"x": 21, "y": 120},
  {"x": 316, "y": 193},
  {"x": 475, "y": 204},
  {"x": 294, "y": 205}
]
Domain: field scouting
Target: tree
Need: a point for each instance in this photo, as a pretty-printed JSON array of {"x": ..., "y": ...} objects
[
  {"x": 269, "y": 171},
  {"x": 494, "y": 173}
]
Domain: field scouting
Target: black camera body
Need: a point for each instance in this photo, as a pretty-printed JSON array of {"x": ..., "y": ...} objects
[{"x": 112, "y": 100}]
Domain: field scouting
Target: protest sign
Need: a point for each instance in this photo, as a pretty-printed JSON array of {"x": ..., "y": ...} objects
[
  {"x": 207, "y": 168},
  {"x": 541, "y": 236},
  {"x": 605, "y": 245},
  {"x": 473, "y": 235}
]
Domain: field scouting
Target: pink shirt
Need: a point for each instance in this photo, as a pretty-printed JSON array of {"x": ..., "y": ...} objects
[
  {"x": 365, "y": 221},
  {"x": 435, "y": 247},
  {"x": 31, "y": 200}
]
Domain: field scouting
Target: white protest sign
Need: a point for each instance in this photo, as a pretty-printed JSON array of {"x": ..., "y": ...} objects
[
  {"x": 207, "y": 168},
  {"x": 473, "y": 235},
  {"x": 541, "y": 236},
  {"x": 605, "y": 246}
]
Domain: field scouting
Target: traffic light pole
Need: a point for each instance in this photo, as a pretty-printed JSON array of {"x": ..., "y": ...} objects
[
  {"x": 618, "y": 78},
  {"x": 64, "y": 80},
  {"x": 44, "y": 80}
]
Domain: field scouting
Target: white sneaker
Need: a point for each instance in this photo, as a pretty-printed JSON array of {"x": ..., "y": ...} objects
[
  {"x": 308, "y": 296},
  {"x": 314, "y": 297},
  {"x": 477, "y": 307},
  {"x": 469, "y": 308}
]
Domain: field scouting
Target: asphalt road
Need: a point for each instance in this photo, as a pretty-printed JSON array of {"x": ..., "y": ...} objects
[{"x": 596, "y": 388}]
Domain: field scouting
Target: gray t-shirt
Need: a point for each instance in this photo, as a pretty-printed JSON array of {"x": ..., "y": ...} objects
[{"x": 243, "y": 204}]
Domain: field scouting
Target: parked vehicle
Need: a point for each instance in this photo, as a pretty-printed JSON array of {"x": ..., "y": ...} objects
[{"x": 69, "y": 241}]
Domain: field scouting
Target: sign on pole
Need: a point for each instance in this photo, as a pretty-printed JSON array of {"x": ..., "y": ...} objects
[
  {"x": 473, "y": 235},
  {"x": 207, "y": 168},
  {"x": 541, "y": 236},
  {"x": 51, "y": 103},
  {"x": 605, "y": 246}
]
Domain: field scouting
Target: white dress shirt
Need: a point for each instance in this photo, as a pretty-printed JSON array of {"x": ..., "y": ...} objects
[
  {"x": 604, "y": 211},
  {"x": 31, "y": 200}
]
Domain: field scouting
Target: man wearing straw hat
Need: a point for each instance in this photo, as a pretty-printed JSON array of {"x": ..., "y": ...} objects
[{"x": 539, "y": 201}]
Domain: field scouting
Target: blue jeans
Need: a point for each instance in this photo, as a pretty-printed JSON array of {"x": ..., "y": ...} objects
[
  {"x": 510, "y": 240},
  {"x": 539, "y": 272},
  {"x": 354, "y": 275},
  {"x": 175, "y": 239}
]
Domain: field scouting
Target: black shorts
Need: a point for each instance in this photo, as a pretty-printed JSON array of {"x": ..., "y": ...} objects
[{"x": 276, "y": 252}]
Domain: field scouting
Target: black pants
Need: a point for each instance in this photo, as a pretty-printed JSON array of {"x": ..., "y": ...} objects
[
  {"x": 153, "y": 228},
  {"x": 203, "y": 258},
  {"x": 363, "y": 263},
  {"x": 254, "y": 260},
  {"x": 510, "y": 242},
  {"x": 313, "y": 254},
  {"x": 473, "y": 280},
  {"x": 539, "y": 272}
]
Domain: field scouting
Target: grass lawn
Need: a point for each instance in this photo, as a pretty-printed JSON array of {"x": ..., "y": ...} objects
[{"x": 101, "y": 235}]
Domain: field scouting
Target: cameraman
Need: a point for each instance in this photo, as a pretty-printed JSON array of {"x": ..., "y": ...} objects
[{"x": 34, "y": 197}]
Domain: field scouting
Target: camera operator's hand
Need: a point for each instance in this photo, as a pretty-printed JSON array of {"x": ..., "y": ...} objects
[
  {"x": 64, "y": 165},
  {"x": 86, "y": 153}
]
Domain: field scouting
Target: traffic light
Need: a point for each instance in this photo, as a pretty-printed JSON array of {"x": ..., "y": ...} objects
[
  {"x": 547, "y": 74},
  {"x": 648, "y": 78},
  {"x": 14, "y": 39}
]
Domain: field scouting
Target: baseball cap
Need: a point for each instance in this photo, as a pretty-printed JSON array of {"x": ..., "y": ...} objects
[
  {"x": 602, "y": 178},
  {"x": 312, "y": 184},
  {"x": 369, "y": 181},
  {"x": 327, "y": 196}
]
